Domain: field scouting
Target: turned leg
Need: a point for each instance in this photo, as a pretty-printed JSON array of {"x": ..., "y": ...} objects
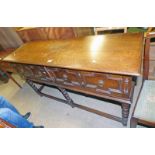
[
  {"x": 34, "y": 87},
  {"x": 41, "y": 88},
  {"x": 133, "y": 122},
  {"x": 125, "y": 113},
  {"x": 67, "y": 97}
]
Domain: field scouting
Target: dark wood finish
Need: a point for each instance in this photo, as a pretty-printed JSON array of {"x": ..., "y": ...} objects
[
  {"x": 102, "y": 66},
  {"x": 125, "y": 113},
  {"x": 146, "y": 59},
  {"x": 133, "y": 122},
  {"x": 38, "y": 91},
  {"x": 118, "y": 87},
  {"x": 67, "y": 97}
]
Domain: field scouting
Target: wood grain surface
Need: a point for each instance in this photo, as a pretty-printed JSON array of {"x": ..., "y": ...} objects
[{"x": 116, "y": 53}]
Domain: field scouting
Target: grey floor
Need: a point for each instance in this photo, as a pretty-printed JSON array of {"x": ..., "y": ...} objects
[{"x": 53, "y": 114}]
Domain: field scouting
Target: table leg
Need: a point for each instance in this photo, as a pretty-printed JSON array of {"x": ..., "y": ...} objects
[
  {"x": 69, "y": 101},
  {"x": 34, "y": 87},
  {"x": 125, "y": 113},
  {"x": 133, "y": 122},
  {"x": 67, "y": 97}
]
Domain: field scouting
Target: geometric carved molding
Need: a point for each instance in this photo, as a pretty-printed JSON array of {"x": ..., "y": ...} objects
[{"x": 98, "y": 83}]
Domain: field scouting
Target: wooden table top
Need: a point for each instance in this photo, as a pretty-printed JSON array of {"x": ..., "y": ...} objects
[
  {"x": 114, "y": 53},
  {"x": 3, "y": 54}
]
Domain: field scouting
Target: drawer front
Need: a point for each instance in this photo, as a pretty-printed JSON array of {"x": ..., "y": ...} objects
[
  {"x": 108, "y": 84},
  {"x": 100, "y": 84},
  {"x": 64, "y": 77},
  {"x": 96, "y": 83},
  {"x": 7, "y": 67},
  {"x": 31, "y": 71}
]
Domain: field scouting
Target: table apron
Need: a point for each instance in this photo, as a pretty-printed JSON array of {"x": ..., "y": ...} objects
[{"x": 109, "y": 86}]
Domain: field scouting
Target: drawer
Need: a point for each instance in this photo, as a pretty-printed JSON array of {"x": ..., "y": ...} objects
[
  {"x": 7, "y": 67},
  {"x": 108, "y": 84},
  {"x": 96, "y": 83},
  {"x": 31, "y": 71},
  {"x": 99, "y": 84},
  {"x": 64, "y": 77}
]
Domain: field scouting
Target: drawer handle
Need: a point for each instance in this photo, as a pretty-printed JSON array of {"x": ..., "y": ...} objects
[
  {"x": 100, "y": 83},
  {"x": 65, "y": 77}
]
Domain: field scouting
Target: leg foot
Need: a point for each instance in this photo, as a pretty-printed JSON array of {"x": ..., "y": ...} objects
[
  {"x": 133, "y": 122},
  {"x": 125, "y": 113}
]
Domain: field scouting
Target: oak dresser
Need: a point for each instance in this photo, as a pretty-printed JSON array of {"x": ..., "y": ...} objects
[{"x": 105, "y": 66}]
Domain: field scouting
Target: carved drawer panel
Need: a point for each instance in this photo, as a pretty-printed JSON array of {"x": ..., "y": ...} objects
[
  {"x": 96, "y": 83},
  {"x": 112, "y": 85},
  {"x": 6, "y": 66},
  {"x": 31, "y": 71},
  {"x": 64, "y": 77},
  {"x": 118, "y": 86},
  {"x": 19, "y": 69}
]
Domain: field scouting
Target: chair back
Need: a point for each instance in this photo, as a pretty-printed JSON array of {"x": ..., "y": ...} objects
[{"x": 147, "y": 58}]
